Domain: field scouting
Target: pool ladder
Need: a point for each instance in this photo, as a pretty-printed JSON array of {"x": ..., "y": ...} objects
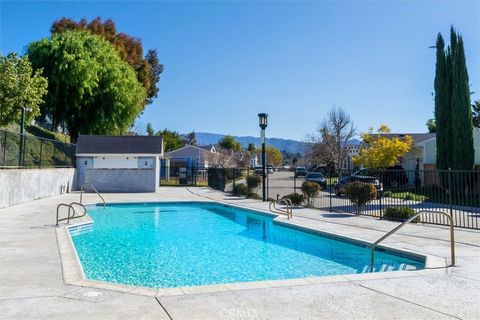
[
  {"x": 452, "y": 235},
  {"x": 287, "y": 202},
  {"x": 82, "y": 189},
  {"x": 72, "y": 212}
]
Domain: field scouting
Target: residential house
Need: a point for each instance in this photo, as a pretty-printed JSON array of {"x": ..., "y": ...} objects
[
  {"x": 119, "y": 163},
  {"x": 429, "y": 148},
  {"x": 353, "y": 147},
  {"x": 190, "y": 156}
]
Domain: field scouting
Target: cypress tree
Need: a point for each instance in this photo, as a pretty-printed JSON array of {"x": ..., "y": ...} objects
[
  {"x": 441, "y": 105},
  {"x": 453, "y": 114},
  {"x": 463, "y": 155}
]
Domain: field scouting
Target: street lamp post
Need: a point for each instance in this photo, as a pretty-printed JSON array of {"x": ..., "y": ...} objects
[{"x": 263, "y": 120}]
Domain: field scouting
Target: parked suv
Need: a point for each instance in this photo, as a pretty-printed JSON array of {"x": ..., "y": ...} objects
[
  {"x": 300, "y": 172},
  {"x": 392, "y": 177},
  {"x": 317, "y": 178},
  {"x": 342, "y": 183}
]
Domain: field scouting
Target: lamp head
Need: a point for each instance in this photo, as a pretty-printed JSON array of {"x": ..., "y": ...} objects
[{"x": 263, "y": 120}]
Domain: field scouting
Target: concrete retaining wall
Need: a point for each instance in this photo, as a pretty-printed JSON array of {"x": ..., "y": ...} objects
[
  {"x": 22, "y": 185},
  {"x": 120, "y": 180}
]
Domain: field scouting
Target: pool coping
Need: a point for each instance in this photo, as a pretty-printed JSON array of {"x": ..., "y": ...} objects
[{"x": 73, "y": 274}]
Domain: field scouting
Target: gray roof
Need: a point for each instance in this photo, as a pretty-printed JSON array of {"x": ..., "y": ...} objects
[
  {"x": 119, "y": 144},
  {"x": 417, "y": 137}
]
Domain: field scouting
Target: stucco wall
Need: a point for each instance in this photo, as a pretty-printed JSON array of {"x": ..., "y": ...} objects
[
  {"x": 22, "y": 185},
  {"x": 121, "y": 180}
]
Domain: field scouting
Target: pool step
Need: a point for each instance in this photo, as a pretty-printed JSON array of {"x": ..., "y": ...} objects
[{"x": 386, "y": 268}]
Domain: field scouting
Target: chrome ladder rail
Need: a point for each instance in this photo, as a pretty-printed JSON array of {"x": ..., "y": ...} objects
[
  {"x": 286, "y": 202},
  {"x": 94, "y": 189},
  {"x": 452, "y": 235},
  {"x": 70, "y": 209}
]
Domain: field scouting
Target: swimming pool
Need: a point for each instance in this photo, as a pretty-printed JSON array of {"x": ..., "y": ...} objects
[{"x": 176, "y": 244}]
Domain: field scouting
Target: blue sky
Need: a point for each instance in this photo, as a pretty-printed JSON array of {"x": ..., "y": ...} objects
[{"x": 227, "y": 61}]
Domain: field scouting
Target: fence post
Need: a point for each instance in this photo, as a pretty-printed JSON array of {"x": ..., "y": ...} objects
[
  {"x": 4, "y": 148},
  {"x": 193, "y": 175},
  {"x": 54, "y": 153},
  {"x": 381, "y": 209},
  {"x": 330, "y": 189},
  {"x": 41, "y": 149},
  {"x": 450, "y": 191}
]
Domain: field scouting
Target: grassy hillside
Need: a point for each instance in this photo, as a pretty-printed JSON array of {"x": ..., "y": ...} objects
[{"x": 43, "y": 148}]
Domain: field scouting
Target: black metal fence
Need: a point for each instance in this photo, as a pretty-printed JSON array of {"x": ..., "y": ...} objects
[
  {"x": 34, "y": 152},
  {"x": 182, "y": 176},
  {"x": 454, "y": 192}
]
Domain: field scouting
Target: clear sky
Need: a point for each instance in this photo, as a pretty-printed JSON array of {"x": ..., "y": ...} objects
[{"x": 227, "y": 61}]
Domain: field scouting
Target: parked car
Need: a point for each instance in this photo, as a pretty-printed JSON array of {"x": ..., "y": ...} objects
[
  {"x": 317, "y": 178},
  {"x": 258, "y": 170},
  {"x": 300, "y": 172},
  {"x": 392, "y": 177},
  {"x": 270, "y": 168},
  {"x": 342, "y": 183}
]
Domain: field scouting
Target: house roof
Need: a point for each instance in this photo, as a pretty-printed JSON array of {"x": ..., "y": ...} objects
[
  {"x": 91, "y": 144},
  {"x": 207, "y": 147},
  {"x": 417, "y": 137},
  {"x": 201, "y": 148}
]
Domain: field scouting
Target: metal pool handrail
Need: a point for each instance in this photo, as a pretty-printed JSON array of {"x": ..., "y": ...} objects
[
  {"x": 94, "y": 189},
  {"x": 70, "y": 209},
  {"x": 287, "y": 202},
  {"x": 452, "y": 235}
]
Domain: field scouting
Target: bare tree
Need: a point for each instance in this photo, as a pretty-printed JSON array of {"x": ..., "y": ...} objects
[
  {"x": 329, "y": 142},
  {"x": 221, "y": 159}
]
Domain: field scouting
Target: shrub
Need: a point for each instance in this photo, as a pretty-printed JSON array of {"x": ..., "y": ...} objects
[
  {"x": 408, "y": 196},
  {"x": 296, "y": 198},
  {"x": 387, "y": 194},
  {"x": 360, "y": 193},
  {"x": 253, "y": 182},
  {"x": 400, "y": 213},
  {"x": 240, "y": 190},
  {"x": 310, "y": 190}
]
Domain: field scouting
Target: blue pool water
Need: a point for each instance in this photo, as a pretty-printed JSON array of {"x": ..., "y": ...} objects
[{"x": 184, "y": 244}]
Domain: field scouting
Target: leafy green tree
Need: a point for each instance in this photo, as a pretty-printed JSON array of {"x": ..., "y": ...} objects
[
  {"x": 453, "y": 113},
  {"x": 147, "y": 69},
  {"x": 91, "y": 89},
  {"x": 274, "y": 156},
  {"x": 431, "y": 125},
  {"x": 19, "y": 87},
  {"x": 229, "y": 143},
  {"x": 381, "y": 151},
  {"x": 150, "y": 130},
  {"x": 251, "y": 148},
  {"x": 172, "y": 140}
]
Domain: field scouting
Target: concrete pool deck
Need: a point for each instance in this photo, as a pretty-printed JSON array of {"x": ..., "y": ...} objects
[{"x": 33, "y": 286}]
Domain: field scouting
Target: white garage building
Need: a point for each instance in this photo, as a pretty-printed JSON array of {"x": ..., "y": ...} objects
[{"x": 119, "y": 163}]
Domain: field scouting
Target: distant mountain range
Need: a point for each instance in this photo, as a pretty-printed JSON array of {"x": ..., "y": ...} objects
[{"x": 294, "y": 146}]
